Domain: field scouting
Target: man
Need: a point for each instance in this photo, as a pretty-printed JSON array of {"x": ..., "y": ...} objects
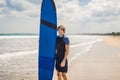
[{"x": 62, "y": 50}]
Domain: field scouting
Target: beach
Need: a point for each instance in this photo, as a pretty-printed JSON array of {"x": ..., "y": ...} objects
[
  {"x": 98, "y": 61},
  {"x": 18, "y": 58},
  {"x": 102, "y": 62},
  {"x": 19, "y": 68}
]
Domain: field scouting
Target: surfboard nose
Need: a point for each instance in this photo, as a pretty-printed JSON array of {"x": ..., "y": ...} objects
[
  {"x": 48, "y": 11},
  {"x": 50, "y": 4}
]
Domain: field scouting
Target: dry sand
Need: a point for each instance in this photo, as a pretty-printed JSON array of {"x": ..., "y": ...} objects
[{"x": 102, "y": 62}]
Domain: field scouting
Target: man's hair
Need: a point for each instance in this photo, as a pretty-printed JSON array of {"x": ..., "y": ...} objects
[{"x": 61, "y": 27}]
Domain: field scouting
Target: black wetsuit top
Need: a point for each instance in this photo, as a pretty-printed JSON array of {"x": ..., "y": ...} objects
[{"x": 60, "y": 47}]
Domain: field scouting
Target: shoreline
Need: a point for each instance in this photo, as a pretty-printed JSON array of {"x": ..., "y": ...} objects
[
  {"x": 100, "y": 63},
  {"x": 20, "y": 67}
]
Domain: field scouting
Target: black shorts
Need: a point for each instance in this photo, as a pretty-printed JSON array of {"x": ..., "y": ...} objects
[{"x": 59, "y": 68}]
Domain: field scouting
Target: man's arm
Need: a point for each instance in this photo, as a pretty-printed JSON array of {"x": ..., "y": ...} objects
[
  {"x": 65, "y": 57},
  {"x": 66, "y": 52}
]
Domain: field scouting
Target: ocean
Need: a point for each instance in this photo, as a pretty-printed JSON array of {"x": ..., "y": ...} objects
[{"x": 15, "y": 45}]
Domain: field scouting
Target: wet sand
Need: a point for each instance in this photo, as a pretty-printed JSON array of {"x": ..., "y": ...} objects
[{"x": 19, "y": 67}]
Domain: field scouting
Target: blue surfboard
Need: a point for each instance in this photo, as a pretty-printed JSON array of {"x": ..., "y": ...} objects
[{"x": 47, "y": 40}]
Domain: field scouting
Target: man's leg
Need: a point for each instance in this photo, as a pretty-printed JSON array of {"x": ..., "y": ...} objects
[
  {"x": 59, "y": 74},
  {"x": 64, "y": 76}
]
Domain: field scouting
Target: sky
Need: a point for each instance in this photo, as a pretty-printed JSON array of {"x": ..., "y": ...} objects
[{"x": 78, "y": 16}]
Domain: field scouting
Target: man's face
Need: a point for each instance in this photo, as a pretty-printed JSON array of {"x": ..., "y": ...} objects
[{"x": 60, "y": 31}]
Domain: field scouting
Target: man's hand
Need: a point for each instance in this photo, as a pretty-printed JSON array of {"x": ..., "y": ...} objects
[{"x": 62, "y": 63}]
